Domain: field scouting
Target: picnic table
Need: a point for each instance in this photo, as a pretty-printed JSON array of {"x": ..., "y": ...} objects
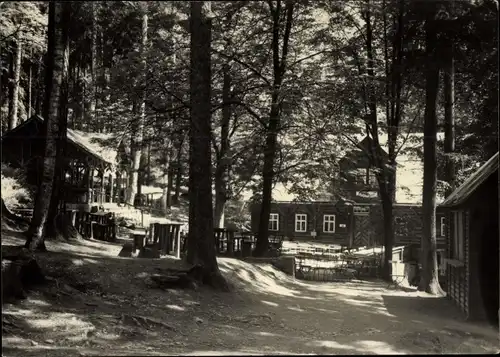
[
  {"x": 167, "y": 237},
  {"x": 99, "y": 225}
]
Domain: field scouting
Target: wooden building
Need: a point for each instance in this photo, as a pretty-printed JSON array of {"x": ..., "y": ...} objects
[
  {"x": 472, "y": 237},
  {"x": 346, "y": 223},
  {"x": 89, "y": 163}
]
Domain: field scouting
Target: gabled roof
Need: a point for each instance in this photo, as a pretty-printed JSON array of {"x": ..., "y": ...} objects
[
  {"x": 91, "y": 143},
  {"x": 465, "y": 190}
]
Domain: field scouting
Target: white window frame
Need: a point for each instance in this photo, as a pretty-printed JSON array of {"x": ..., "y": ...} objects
[
  {"x": 442, "y": 227},
  {"x": 274, "y": 218},
  {"x": 458, "y": 235},
  {"x": 301, "y": 222},
  {"x": 331, "y": 223}
]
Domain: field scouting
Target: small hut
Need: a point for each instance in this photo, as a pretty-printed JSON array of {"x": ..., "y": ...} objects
[
  {"x": 472, "y": 244},
  {"x": 90, "y": 163}
]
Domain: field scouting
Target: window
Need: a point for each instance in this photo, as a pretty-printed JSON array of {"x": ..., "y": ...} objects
[
  {"x": 458, "y": 235},
  {"x": 329, "y": 223},
  {"x": 274, "y": 222},
  {"x": 301, "y": 223},
  {"x": 442, "y": 227}
]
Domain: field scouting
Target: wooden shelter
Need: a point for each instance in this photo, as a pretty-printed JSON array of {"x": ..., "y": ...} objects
[
  {"x": 89, "y": 161},
  {"x": 473, "y": 249}
]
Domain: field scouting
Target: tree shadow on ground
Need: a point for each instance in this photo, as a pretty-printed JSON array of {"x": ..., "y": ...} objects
[{"x": 101, "y": 304}]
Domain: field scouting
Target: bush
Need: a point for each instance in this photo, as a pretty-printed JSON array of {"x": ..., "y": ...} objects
[{"x": 15, "y": 190}]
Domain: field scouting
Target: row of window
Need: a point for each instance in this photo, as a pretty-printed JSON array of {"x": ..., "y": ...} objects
[
  {"x": 301, "y": 222},
  {"x": 328, "y": 223}
]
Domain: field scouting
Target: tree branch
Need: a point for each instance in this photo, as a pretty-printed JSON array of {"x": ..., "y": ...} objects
[{"x": 246, "y": 65}]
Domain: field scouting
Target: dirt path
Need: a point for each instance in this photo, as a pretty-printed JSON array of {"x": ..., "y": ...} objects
[{"x": 99, "y": 304}]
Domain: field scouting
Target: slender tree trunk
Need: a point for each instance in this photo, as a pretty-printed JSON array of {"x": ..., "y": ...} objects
[
  {"x": 148, "y": 163},
  {"x": 221, "y": 171},
  {"x": 279, "y": 67},
  {"x": 429, "y": 279},
  {"x": 30, "y": 75},
  {"x": 178, "y": 174},
  {"x": 15, "y": 90},
  {"x": 39, "y": 81},
  {"x": 11, "y": 91},
  {"x": 449, "y": 118},
  {"x": 137, "y": 147},
  {"x": 91, "y": 119},
  {"x": 53, "y": 81},
  {"x": 1, "y": 92},
  {"x": 385, "y": 175},
  {"x": 170, "y": 183},
  {"x": 201, "y": 245}
]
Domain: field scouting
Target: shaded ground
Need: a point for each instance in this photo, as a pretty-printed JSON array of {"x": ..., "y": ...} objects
[{"x": 99, "y": 304}]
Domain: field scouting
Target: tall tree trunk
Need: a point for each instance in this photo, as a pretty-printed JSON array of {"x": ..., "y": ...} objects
[
  {"x": 1, "y": 92},
  {"x": 30, "y": 84},
  {"x": 389, "y": 170},
  {"x": 170, "y": 183},
  {"x": 91, "y": 113},
  {"x": 385, "y": 175},
  {"x": 201, "y": 245},
  {"x": 15, "y": 89},
  {"x": 39, "y": 81},
  {"x": 60, "y": 167},
  {"x": 279, "y": 67},
  {"x": 178, "y": 173},
  {"x": 221, "y": 171},
  {"x": 53, "y": 82},
  {"x": 429, "y": 281},
  {"x": 148, "y": 165},
  {"x": 137, "y": 147},
  {"x": 449, "y": 118},
  {"x": 11, "y": 91}
]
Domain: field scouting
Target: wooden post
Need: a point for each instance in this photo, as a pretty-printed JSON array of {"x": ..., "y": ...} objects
[{"x": 111, "y": 191}]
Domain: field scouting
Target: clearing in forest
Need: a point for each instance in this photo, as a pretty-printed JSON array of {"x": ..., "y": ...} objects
[{"x": 96, "y": 303}]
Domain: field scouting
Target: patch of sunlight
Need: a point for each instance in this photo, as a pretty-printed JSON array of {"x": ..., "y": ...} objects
[
  {"x": 60, "y": 320},
  {"x": 378, "y": 347},
  {"x": 324, "y": 310},
  {"x": 268, "y": 334},
  {"x": 296, "y": 308},
  {"x": 359, "y": 302},
  {"x": 329, "y": 344},
  {"x": 107, "y": 336},
  {"x": 175, "y": 307},
  {"x": 383, "y": 311},
  {"x": 270, "y": 303},
  {"x": 222, "y": 353},
  {"x": 20, "y": 312},
  {"x": 37, "y": 302},
  {"x": 14, "y": 340},
  {"x": 190, "y": 303}
]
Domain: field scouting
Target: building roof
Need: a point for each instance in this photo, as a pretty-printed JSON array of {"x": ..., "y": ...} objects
[
  {"x": 90, "y": 143},
  {"x": 465, "y": 190}
]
